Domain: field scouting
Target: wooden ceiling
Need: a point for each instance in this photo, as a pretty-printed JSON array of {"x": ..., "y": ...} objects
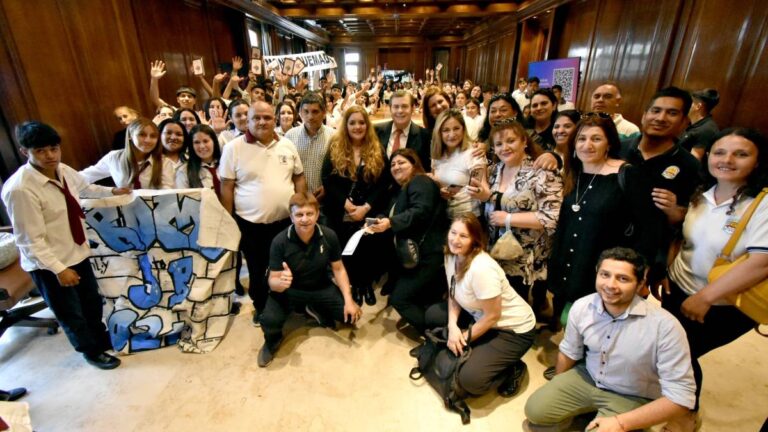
[{"x": 374, "y": 18}]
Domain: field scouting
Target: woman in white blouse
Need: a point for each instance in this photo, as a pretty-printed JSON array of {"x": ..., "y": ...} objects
[
  {"x": 200, "y": 169},
  {"x": 736, "y": 172},
  {"x": 238, "y": 115},
  {"x": 140, "y": 165},
  {"x": 453, "y": 163},
  {"x": 479, "y": 296}
]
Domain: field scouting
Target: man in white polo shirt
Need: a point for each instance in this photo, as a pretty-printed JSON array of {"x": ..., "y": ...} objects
[{"x": 260, "y": 172}]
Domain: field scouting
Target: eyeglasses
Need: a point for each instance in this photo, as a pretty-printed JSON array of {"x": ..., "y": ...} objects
[{"x": 600, "y": 114}]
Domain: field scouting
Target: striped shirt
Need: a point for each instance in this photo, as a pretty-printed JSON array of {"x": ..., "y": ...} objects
[{"x": 311, "y": 151}]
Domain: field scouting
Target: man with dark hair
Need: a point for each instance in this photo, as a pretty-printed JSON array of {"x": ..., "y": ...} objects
[
  {"x": 562, "y": 104},
  {"x": 669, "y": 173},
  {"x": 621, "y": 356},
  {"x": 607, "y": 99},
  {"x": 301, "y": 260},
  {"x": 54, "y": 248},
  {"x": 312, "y": 139},
  {"x": 401, "y": 132},
  {"x": 533, "y": 85},
  {"x": 702, "y": 130}
]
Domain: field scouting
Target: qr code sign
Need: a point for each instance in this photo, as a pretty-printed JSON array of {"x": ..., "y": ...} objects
[{"x": 564, "y": 78}]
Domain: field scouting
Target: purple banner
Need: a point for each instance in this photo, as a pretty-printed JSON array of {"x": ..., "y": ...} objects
[{"x": 564, "y": 72}]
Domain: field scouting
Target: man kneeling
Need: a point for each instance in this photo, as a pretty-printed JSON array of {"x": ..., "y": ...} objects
[
  {"x": 637, "y": 370},
  {"x": 299, "y": 279}
]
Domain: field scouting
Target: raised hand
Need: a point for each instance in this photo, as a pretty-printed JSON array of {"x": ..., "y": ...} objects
[
  {"x": 286, "y": 277},
  {"x": 219, "y": 77},
  {"x": 201, "y": 114},
  {"x": 237, "y": 64},
  {"x": 157, "y": 69},
  {"x": 217, "y": 121}
]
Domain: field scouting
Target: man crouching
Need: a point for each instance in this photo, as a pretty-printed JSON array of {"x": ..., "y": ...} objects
[{"x": 299, "y": 279}]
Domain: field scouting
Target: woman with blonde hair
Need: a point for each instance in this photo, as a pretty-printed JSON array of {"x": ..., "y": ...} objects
[
  {"x": 453, "y": 163},
  {"x": 355, "y": 182},
  {"x": 140, "y": 165}
]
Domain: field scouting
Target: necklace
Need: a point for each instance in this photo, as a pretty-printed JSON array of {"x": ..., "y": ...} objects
[{"x": 575, "y": 206}]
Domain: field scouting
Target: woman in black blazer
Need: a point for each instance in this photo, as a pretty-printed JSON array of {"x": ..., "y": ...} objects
[{"x": 417, "y": 212}]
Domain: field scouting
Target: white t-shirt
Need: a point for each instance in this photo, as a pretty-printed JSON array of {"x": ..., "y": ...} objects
[
  {"x": 706, "y": 230},
  {"x": 485, "y": 280},
  {"x": 473, "y": 125},
  {"x": 455, "y": 169},
  {"x": 263, "y": 177}
]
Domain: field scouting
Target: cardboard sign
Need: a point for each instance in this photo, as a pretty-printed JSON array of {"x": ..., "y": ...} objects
[
  {"x": 256, "y": 66},
  {"x": 197, "y": 67}
]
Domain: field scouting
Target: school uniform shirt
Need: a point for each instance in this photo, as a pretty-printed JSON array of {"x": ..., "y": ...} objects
[
  {"x": 455, "y": 169},
  {"x": 38, "y": 212},
  {"x": 263, "y": 177},
  {"x": 643, "y": 352},
  {"x": 485, "y": 280},
  {"x": 112, "y": 165},
  {"x": 206, "y": 178},
  {"x": 227, "y": 136},
  {"x": 706, "y": 230},
  {"x": 473, "y": 125}
]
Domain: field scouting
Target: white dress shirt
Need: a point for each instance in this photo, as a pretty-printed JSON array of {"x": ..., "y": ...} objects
[
  {"x": 38, "y": 213},
  {"x": 403, "y": 138},
  {"x": 113, "y": 166}
]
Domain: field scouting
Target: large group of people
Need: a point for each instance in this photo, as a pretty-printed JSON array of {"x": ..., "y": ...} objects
[{"x": 498, "y": 211}]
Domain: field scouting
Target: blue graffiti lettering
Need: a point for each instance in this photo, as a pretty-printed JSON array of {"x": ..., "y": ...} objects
[
  {"x": 149, "y": 293},
  {"x": 181, "y": 274}
]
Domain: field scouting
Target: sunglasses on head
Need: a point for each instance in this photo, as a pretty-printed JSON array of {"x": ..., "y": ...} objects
[{"x": 599, "y": 114}]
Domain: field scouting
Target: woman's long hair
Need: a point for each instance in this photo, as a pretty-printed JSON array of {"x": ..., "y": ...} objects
[
  {"x": 476, "y": 235},
  {"x": 485, "y": 132},
  {"x": 574, "y": 167},
  {"x": 757, "y": 179},
  {"x": 129, "y": 159},
  {"x": 547, "y": 93},
  {"x": 429, "y": 121},
  {"x": 343, "y": 157},
  {"x": 195, "y": 163},
  {"x": 185, "y": 143},
  {"x": 438, "y": 147}
]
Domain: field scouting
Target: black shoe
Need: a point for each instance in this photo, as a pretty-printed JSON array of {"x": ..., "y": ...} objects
[
  {"x": 511, "y": 384},
  {"x": 323, "y": 321},
  {"x": 357, "y": 296},
  {"x": 102, "y": 360},
  {"x": 370, "y": 297},
  {"x": 235, "y": 308},
  {"x": 266, "y": 355},
  {"x": 12, "y": 394},
  {"x": 256, "y": 321},
  {"x": 388, "y": 288}
]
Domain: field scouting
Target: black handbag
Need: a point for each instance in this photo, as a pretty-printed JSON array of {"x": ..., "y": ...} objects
[
  {"x": 407, "y": 252},
  {"x": 440, "y": 367}
]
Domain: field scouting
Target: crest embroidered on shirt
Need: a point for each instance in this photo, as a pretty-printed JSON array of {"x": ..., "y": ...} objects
[
  {"x": 671, "y": 172},
  {"x": 283, "y": 159},
  {"x": 730, "y": 226}
]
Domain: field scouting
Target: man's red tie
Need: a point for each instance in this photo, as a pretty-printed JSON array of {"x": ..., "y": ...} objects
[
  {"x": 74, "y": 214},
  {"x": 396, "y": 145},
  {"x": 216, "y": 181},
  {"x": 136, "y": 181}
]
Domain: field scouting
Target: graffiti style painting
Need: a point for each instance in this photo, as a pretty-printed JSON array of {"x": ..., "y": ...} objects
[{"x": 164, "y": 262}]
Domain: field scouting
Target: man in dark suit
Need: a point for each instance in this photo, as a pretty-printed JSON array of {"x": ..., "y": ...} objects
[{"x": 401, "y": 132}]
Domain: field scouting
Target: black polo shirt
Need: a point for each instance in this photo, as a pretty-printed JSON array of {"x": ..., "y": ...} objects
[
  {"x": 310, "y": 263},
  {"x": 676, "y": 170},
  {"x": 700, "y": 134}
]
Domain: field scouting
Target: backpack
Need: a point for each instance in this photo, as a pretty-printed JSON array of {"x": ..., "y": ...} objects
[{"x": 440, "y": 367}]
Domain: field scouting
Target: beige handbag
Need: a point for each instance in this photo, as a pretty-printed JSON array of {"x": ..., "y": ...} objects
[{"x": 507, "y": 247}]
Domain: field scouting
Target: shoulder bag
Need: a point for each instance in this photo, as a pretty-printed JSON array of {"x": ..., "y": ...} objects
[
  {"x": 754, "y": 301},
  {"x": 507, "y": 247}
]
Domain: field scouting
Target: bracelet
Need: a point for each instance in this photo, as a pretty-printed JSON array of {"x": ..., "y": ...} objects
[
  {"x": 620, "y": 425},
  {"x": 508, "y": 219}
]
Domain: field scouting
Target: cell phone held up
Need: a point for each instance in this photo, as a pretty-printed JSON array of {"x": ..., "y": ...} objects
[{"x": 371, "y": 221}]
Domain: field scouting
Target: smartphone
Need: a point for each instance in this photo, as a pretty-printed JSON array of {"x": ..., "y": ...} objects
[
  {"x": 475, "y": 174},
  {"x": 371, "y": 221}
]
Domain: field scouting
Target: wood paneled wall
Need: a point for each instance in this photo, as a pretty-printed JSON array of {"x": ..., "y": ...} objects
[
  {"x": 644, "y": 46},
  {"x": 69, "y": 63},
  {"x": 490, "y": 54}
]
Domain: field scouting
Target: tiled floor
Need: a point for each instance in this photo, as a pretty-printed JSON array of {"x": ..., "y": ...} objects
[{"x": 349, "y": 380}]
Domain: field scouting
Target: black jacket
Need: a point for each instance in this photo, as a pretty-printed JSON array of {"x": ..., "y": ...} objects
[
  {"x": 419, "y": 212},
  {"x": 418, "y": 140}
]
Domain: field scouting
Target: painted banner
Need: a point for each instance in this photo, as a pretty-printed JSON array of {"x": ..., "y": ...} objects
[
  {"x": 164, "y": 264},
  {"x": 564, "y": 72},
  {"x": 294, "y": 64}
]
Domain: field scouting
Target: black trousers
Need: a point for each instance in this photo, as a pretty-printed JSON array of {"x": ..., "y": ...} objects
[
  {"x": 418, "y": 288},
  {"x": 722, "y": 325},
  {"x": 327, "y": 302},
  {"x": 78, "y": 309},
  {"x": 494, "y": 356},
  {"x": 255, "y": 242},
  {"x": 366, "y": 264}
]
